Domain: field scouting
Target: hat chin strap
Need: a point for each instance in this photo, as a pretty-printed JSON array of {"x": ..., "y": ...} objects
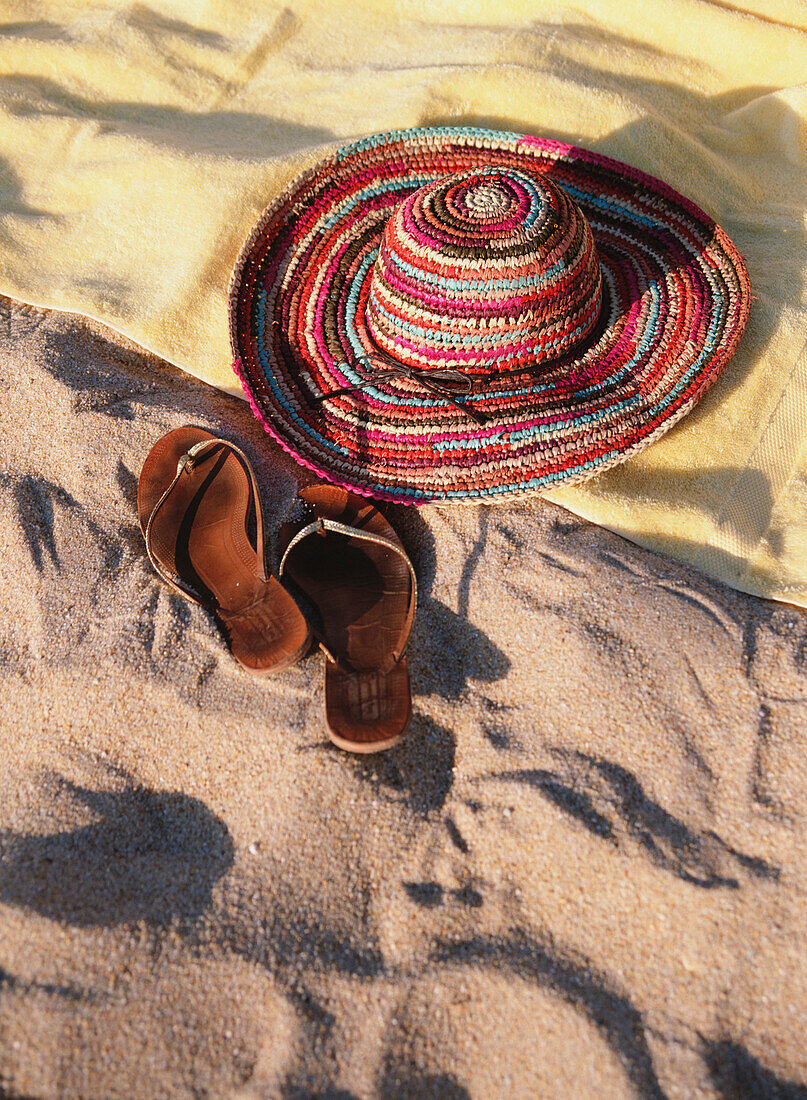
[{"x": 448, "y": 384}]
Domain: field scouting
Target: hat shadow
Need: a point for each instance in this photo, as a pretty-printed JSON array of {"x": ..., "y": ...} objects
[{"x": 741, "y": 499}]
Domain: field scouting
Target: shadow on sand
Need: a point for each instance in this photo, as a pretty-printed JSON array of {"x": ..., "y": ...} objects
[
  {"x": 610, "y": 802},
  {"x": 147, "y": 856}
]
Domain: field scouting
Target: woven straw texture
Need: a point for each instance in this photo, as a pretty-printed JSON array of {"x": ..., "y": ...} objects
[{"x": 588, "y": 306}]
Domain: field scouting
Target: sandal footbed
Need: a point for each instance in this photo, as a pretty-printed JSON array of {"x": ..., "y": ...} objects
[
  {"x": 361, "y": 596},
  {"x": 201, "y": 533}
]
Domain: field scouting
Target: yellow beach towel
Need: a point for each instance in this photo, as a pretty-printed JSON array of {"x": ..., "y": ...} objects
[{"x": 140, "y": 143}]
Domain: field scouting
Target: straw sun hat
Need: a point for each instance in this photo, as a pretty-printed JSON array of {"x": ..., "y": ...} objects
[{"x": 463, "y": 314}]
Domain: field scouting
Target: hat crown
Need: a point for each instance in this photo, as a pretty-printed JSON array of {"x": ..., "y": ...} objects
[{"x": 485, "y": 270}]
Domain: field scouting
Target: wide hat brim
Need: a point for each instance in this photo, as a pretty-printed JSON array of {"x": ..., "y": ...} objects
[{"x": 676, "y": 300}]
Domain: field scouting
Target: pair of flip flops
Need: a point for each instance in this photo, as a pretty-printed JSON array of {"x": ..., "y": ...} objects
[{"x": 201, "y": 518}]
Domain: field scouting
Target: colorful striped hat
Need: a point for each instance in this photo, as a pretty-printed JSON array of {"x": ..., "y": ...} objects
[{"x": 461, "y": 314}]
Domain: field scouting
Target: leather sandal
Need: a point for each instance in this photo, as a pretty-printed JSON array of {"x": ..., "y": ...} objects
[
  {"x": 352, "y": 568},
  {"x": 198, "y": 502}
]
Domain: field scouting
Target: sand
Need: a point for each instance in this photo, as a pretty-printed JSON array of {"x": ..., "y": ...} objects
[{"x": 582, "y": 874}]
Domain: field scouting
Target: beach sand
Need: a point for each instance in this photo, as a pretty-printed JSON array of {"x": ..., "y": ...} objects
[{"x": 582, "y": 874}]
